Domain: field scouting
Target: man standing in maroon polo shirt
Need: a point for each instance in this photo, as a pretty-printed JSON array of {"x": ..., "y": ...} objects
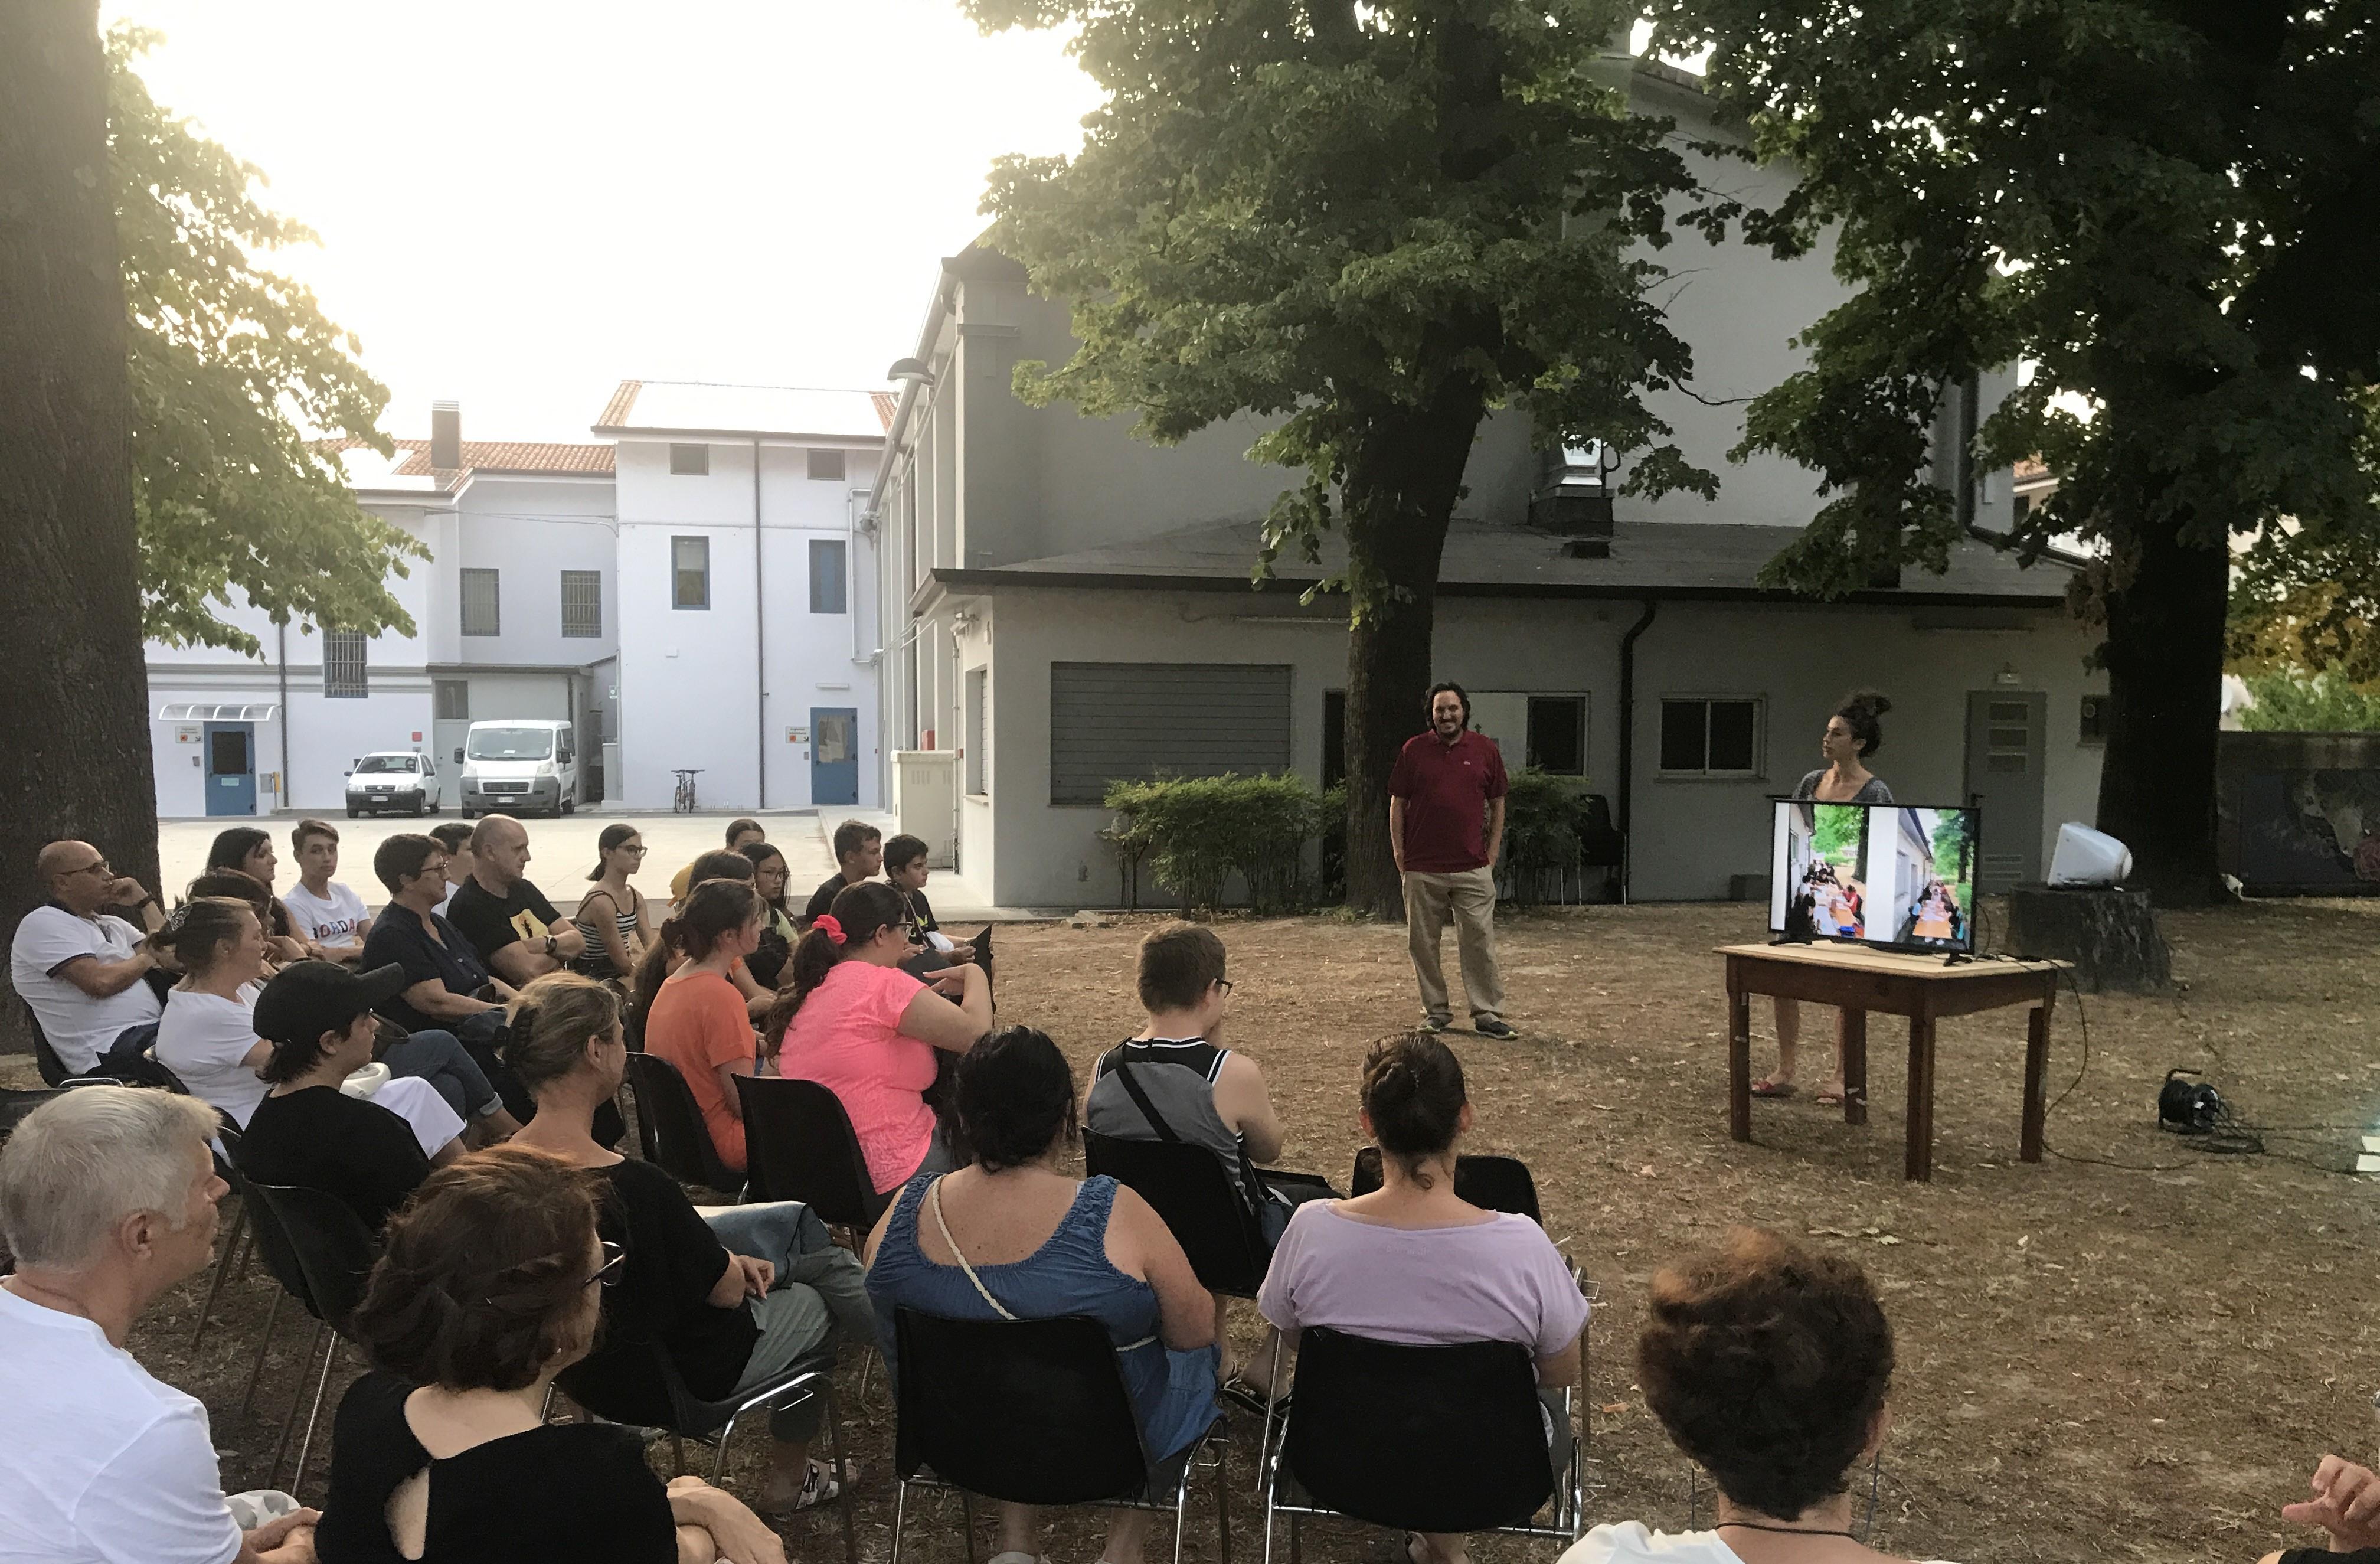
[{"x": 1446, "y": 826}]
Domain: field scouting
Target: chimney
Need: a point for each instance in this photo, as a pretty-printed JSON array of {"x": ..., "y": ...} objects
[{"x": 446, "y": 436}]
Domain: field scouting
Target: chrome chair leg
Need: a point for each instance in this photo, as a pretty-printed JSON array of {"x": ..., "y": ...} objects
[
  {"x": 234, "y": 1251},
  {"x": 677, "y": 1452},
  {"x": 272, "y": 1319},
  {"x": 305, "y": 1366},
  {"x": 1223, "y": 1500},
  {"x": 1272, "y": 1396},
  {"x": 719, "y": 1449},
  {"x": 966, "y": 1522},
  {"x": 306, "y": 1444},
  {"x": 900, "y": 1515},
  {"x": 846, "y": 1500}
]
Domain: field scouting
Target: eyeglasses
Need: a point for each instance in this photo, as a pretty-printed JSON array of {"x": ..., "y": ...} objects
[
  {"x": 1225, "y": 984},
  {"x": 616, "y": 1258},
  {"x": 637, "y": 848},
  {"x": 100, "y": 868}
]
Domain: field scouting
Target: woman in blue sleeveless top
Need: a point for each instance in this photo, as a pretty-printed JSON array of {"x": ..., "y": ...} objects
[{"x": 1015, "y": 1236}]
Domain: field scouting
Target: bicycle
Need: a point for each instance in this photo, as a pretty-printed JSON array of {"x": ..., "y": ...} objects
[{"x": 684, "y": 802}]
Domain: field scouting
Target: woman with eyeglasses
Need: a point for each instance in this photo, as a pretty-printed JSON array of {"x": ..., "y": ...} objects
[
  {"x": 611, "y": 913},
  {"x": 490, "y": 1285},
  {"x": 777, "y": 928},
  {"x": 735, "y": 1296}
]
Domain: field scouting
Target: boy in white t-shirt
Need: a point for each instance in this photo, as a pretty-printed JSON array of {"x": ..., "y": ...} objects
[{"x": 330, "y": 918}]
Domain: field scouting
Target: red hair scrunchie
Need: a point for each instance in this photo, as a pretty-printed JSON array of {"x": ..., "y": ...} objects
[{"x": 828, "y": 925}]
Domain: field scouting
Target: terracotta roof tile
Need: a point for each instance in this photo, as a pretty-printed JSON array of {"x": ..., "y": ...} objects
[
  {"x": 615, "y": 411},
  {"x": 885, "y": 407},
  {"x": 509, "y": 456}
]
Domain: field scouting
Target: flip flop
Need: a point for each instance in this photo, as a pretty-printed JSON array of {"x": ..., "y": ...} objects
[
  {"x": 1831, "y": 1096},
  {"x": 1772, "y": 1089}
]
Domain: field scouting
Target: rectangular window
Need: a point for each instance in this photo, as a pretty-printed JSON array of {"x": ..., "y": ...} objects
[
  {"x": 976, "y": 772},
  {"x": 1116, "y": 721},
  {"x": 582, "y": 602},
  {"x": 826, "y": 465},
  {"x": 1558, "y": 734},
  {"x": 690, "y": 570},
  {"x": 827, "y": 593},
  {"x": 482, "y": 607},
  {"x": 343, "y": 664},
  {"x": 1711, "y": 736},
  {"x": 689, "y": 461},
  {"x": 454, "y": 699}
]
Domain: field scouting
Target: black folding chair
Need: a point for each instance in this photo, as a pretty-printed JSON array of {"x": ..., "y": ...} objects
[
  {"x": 53, "y": 1069},
  {"x": 1189, "y": 1189},
  {"x": 798, "y": 1144},
  {"x": 1031, "y": 1412},
  {"x": 15, "y": 1104},
  {"x": 1492, "y": 1183},
  {"x": 1443, "y": 1438},
  {"x": 670, "y": 1126},
  {"x": 333, "y": 1253}
]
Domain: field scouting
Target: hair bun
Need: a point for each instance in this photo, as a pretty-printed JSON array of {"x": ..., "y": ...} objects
[{"x": 1875, "y": 701}]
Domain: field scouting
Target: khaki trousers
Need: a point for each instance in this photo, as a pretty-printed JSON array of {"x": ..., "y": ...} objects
[{"x": 1470, "y": 900}]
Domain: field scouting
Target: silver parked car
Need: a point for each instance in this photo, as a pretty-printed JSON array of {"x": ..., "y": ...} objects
[{"x": 386, "y": 779}]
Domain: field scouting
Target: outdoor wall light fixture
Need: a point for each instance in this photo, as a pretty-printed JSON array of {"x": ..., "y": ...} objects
[{"x": 910, "y": 370}]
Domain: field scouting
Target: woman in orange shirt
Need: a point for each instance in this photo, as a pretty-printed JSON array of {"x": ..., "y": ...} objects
[{"x": 699, "y": 1022}]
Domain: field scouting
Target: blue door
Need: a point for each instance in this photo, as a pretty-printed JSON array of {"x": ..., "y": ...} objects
[
  {"x": 834, "y": 755},
  {"x": 231, "y": 767}
]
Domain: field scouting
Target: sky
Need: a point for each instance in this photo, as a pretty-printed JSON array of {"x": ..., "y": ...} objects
[{"x": 523, "y": 202}]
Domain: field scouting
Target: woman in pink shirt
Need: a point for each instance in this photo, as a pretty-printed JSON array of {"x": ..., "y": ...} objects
[
  {"x": 698, "y": 1021},
  {"x": 851, "y": 1019}
]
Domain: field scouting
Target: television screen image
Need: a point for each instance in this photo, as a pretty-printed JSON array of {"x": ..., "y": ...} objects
[{"x": 1888, "y": 875}]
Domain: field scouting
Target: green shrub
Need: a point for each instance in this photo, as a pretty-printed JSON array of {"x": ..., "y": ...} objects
[
  {"x": 1196, "y": 832},
  {"x": 1545, "y": 818}
]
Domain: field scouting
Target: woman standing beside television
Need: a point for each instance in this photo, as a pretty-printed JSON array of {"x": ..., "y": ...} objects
[{"x": 1853, "y": 733}]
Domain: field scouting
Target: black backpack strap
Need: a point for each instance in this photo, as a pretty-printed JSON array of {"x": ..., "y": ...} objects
[{"x": 1140, "y": 1100}]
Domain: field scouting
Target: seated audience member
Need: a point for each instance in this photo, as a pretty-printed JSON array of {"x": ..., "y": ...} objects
[
  {"x": 1015, "y": 1236},
  {"x": 1767, "y": 1366},
  {"x": 1191, "y": 1089},
  {"x": 2346, "y": 1504},
  {"x": 82, "y": 969},
  {"x": 852, "y": 1020},
  {"x": 664, "y": 957},
  {"x": 611, "y": 916},
  {"x": 858, "y": 853},
  {"x": 697, "y": 1020},
  {"x": 1415, "y": 1264},
  {"x": 506, "y": 917},
  {"x": 454, "y": 835},
  {"x": 107, "y": 1199},
  {"x": 735, "y": 1297},
  {"x": 244, "y": 850},
  {"x": 778, "y": 930},
  {"x": 446, "y": 987},
  {"x": 371, "y": 1152},
  {"x": 330, "y": 918},
  {"x": 740, "y": 835},
  {"x": 488, "y": 1285},
  {"x": 905, "y": 871}
]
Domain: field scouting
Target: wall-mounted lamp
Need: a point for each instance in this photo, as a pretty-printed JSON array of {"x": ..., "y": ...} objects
[
  {"x": 907, "y": 370},
  {"x": 2006, "y": 674}
]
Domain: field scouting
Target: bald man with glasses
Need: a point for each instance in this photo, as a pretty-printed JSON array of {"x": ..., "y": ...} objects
[{"x": 79, "y": 968}]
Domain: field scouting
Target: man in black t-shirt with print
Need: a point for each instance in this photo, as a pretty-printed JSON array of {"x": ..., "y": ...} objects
[
  {"x": 509, "y": 921},
  {"x": 858, "y": 853}
]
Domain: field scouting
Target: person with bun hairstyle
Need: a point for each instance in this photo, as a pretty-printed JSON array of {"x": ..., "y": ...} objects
[
  {"x": 1853, "y": 734},
  {"x": 490, "y": 1285},
  {"x": 207, "y": 1037},
  {"x": 1016, "y": 1236},
  {"x": 1767, "y": 1366},
  {"x": 735, "y": 1295},
  {"x": 697, "y": 1020},
  {"x": 1414, "y": 1263},
  {"x": 851, "y": 1019},
  {"x": 612, "y": 916}
]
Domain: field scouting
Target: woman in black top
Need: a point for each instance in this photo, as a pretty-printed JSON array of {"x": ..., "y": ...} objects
[
  {"x": 735, "y": 1299},
  {"x": 491, "y": 1285},
  {"x": 247, "y": 851},
  {"x": 777, "y": 930}
]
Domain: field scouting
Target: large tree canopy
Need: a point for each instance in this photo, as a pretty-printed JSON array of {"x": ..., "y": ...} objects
[
  {"x": 235, "y": 372},
  {"x": 2168, "y": 208},
  {"x": 1372, "y": 222}
]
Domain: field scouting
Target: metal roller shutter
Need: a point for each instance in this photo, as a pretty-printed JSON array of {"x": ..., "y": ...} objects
[{"x": 1137, "y": 721}]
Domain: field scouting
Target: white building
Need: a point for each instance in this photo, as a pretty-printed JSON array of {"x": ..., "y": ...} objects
[
  {"x": 1065, "y": 605},
  {"x": 747, "y": 616},
  {"x": 545, "y": 567}
]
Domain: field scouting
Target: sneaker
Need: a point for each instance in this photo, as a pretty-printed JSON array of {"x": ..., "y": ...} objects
[
  {"x": 1435, "y": 1023},
  {"x": 1491, "y": 1027}
]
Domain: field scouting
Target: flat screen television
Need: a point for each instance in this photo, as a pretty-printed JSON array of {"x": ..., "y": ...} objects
[{"x": 1899, "y": 876}]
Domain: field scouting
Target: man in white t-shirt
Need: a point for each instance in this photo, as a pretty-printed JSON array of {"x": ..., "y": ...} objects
[
  {"x": 107, "y": 1199},
  {"x": 79, "y": 969},
  {"x": 330, "y": 918}
]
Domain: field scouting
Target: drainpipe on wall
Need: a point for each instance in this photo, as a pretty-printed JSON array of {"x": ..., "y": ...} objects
[
  {"x": 1628, "y": 742},
  {"x": 759, "y": 641},
  {"x": 281, "y": 659}
]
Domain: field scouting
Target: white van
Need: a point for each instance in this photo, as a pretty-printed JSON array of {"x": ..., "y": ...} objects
[{"x": 513, "y": 767}]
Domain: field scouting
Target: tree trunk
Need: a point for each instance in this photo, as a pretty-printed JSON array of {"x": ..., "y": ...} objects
[
  {"x": 2163, "y": 656},
  {"x": 74, "y": 699},
  {"x": 1396, "y": 500}
]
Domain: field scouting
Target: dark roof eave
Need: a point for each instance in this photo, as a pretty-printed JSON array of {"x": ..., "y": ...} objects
[{"x": 953, "y": 576}]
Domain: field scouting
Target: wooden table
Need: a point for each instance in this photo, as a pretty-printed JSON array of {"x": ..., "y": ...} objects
[{"x": 1856, "y": 979}]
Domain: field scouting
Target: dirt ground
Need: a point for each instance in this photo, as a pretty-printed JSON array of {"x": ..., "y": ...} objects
[{"x": 2132, "y": 1349}]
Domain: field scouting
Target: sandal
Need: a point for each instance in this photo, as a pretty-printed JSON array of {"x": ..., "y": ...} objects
[
  {"x": 1773, "y": 1089},
  {"x": 819, "y": 1486},
  {"x": 1831, "y": 1096},
  {"x": 1249, "y": 1397}
]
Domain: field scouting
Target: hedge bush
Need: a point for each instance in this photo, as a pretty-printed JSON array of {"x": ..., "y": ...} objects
[
  {"x": 1196, "y": 832},
  {"x": 1545, "y": 821}
]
